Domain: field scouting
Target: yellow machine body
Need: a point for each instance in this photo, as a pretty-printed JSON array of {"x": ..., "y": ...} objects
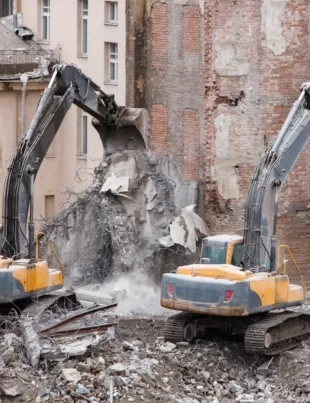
[
  {"x": 225, "y": 290},
  {"x": 23, "y": 278},
  {"x": 221, "y": 288}
]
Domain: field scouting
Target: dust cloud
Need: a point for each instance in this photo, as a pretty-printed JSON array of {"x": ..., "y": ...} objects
[{"x": 135, "y": 293}]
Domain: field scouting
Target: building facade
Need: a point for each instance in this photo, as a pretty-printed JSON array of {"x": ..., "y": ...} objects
[
  {"x": 91, "y": 35},
  {"x": 165, "y": 47},
  {"x": 256, "y": 60}
]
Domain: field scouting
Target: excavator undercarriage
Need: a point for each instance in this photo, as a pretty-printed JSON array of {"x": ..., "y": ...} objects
[{"x": 264, "y": 334}]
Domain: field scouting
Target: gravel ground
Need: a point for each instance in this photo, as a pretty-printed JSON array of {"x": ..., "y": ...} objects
[{"x": 145, "y": 369}]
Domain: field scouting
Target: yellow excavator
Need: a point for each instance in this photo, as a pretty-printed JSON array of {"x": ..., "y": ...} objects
[
  {"x": 22, "y": 274},
  {"x": 240, "y": 281}
]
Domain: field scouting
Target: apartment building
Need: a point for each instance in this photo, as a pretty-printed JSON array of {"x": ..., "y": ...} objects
[{"x": 92, "y": 35}]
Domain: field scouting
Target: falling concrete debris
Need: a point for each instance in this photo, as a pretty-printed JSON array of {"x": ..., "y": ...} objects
[
  {"x": 150, "y": 190},
  {"x": 184, "y": 229},
  {"x": 115, "y": 184},
  {"x": 129, "y": 209},
  {"x": 166, "y": 241}
]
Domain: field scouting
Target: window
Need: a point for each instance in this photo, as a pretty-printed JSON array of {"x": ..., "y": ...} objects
[
  {"x": 215, "y": 251},
  {"x": 49, "y": 206},
  {"x": 84, "y": 27},
  {"x": 46, "y": 19},
  {"x": 111, "y": 12},
  {"x": 113, "y": 62},
  {"x": 6, "y": 8},
  {"x": 84, "y": 135},
  {"x": 237, "y": 254}
]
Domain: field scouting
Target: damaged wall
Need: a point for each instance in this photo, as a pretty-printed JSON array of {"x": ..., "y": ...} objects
[
  {"x": 256, "y": 59},
  {"x": 165, "y": 75}
]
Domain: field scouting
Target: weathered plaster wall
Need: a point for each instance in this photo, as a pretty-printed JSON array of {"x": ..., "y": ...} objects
[
  {"x": 165, "y": 75},
  {"x": 256, "y": 58}
]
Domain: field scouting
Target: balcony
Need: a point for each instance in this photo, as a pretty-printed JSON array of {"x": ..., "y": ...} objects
[{"x": 18, "y": 61}]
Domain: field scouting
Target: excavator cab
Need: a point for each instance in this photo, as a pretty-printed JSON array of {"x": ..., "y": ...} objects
[{"x": 221, "y": 249}]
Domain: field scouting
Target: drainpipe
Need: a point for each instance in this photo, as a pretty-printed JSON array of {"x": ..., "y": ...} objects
[{"x": 15, "y": 16}]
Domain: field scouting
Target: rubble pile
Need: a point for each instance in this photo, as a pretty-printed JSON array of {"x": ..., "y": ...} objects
[
  {"x": 128, "y": 219},
  {"x": 136, "y": 365}
]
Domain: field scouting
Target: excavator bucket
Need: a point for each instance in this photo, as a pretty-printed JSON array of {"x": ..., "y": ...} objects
[{"x": 129, "y": 133}]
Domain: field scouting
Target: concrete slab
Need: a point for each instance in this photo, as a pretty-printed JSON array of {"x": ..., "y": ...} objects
[
  {"x": 116, "y": 184},
  {"x": 93, "y": 296}
]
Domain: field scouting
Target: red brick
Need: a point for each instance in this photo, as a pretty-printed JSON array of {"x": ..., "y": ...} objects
[
  {"x": 191, "y": 41},
  {"x": 159, "y": 128},
  {"x": 270, "y": 89},
  {"x": 191, "y": 144},
  {"x": 159, "y": 35}
]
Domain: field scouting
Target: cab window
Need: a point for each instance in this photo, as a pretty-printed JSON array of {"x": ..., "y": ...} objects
[
  {"x": 215, "y": 252},
  {"x": 237, "y": 254}
]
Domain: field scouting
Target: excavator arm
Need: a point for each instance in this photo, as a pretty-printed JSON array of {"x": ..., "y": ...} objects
[
  {"x": 260, "y": 233},
  {"x": 119, "y": 128}
]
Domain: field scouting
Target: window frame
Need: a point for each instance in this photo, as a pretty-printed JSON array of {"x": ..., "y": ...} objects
[
  {"x": 49, "y": 202},
  {"x": 239, "y": 251},
  {"x": 113, "y": 61},
  {"x": 109, "y": 4},
  {"x": 7, "y": 5},
  {"x": 47, "y": 15},
  {"x": 84, "y": 22},
  {"x": 84, "y": 136}
]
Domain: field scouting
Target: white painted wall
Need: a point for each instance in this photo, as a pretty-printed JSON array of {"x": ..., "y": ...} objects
[{"x": 64, "y": 34}]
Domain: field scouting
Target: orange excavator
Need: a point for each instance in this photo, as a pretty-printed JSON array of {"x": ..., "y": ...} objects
[
  {"x": 22, "y": 274},
  {"x": 240, "y": 281}
]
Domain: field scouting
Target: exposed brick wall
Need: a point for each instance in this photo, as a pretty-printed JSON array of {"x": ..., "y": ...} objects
[
  {"x": 192, "y": 30},
  {"x": 159, "y": 128},
  {"x": 159, "y": 36},
  {"x": 165, "y": 72},
  {"x": 247, "y": 98},
  {"x": 191, "y": 144}
]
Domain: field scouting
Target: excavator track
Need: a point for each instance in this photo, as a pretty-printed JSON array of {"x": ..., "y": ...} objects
[
  {"x": 267, "y": 335},
  {"x": 174, "y": 328},
  {"x": 277, "y": 333}
]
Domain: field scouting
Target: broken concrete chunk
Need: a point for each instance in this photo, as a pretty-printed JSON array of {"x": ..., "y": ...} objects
[
  {"x": 75, "y": 348},
  {"x": 166, "y": 241},
  {"x": 184, "y": 228},
  {"x": 118, "y": 368},
  {"x": 167, "y": 347},
  {"x": 115, "y": 184},
  {"x": 150, "y": 190},
  {"x": 11, "y": 390},
  {"x": 71, "y": 375},
  {"x": 11, "y": 339},
  {"x": 93, "y": 296},
  {"x": 83, "y": 367},
  {"x": 31, "y": 341}
]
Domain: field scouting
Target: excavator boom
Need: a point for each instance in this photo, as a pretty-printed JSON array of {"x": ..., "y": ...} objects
[
  {"x": 119, "y": 128},
  {"x": 260, "y": 233}
]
